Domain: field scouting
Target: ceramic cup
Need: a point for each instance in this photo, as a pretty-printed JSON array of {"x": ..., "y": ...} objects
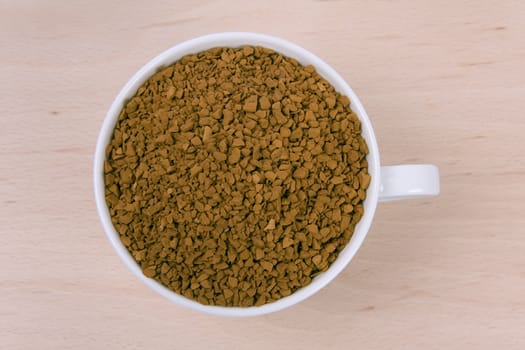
[{"x": 387, "y": 182}]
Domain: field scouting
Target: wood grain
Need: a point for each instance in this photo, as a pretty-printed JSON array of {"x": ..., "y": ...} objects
[{"x": 443, "y": 83}]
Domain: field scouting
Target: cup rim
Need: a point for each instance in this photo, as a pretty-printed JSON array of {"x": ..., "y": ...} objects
[{"x": 236, "y": 39}]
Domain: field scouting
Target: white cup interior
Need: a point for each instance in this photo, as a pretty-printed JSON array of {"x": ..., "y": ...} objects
[{"x": 236, "y": 40}]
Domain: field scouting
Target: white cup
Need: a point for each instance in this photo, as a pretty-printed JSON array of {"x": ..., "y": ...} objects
[{"x": 387, "y": 182}]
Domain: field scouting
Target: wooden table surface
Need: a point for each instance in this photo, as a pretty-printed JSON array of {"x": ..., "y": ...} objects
[{"x": 443, "y": 83}]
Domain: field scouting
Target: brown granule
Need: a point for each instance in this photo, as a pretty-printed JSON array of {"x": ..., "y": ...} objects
[{"x": 236, "y": 175}]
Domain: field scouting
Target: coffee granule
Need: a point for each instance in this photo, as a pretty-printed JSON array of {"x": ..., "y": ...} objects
[{"x": 236, "y": 175}]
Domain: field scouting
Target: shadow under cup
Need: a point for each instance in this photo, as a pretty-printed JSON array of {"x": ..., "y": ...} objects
[{"x": 237, "y": 40}]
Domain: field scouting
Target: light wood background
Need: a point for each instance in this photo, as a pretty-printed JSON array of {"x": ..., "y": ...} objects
[{"x": 443, "y": 82}]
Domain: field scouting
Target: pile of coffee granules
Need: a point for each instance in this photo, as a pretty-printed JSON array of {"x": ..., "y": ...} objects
[{"x": 235, "y": 176}]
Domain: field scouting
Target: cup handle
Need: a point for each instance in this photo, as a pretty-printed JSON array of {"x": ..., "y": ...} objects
[{"x": 408, "y": 181}]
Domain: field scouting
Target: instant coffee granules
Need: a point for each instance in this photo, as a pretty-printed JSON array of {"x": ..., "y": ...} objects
[{"x": 235, "y": 176}]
